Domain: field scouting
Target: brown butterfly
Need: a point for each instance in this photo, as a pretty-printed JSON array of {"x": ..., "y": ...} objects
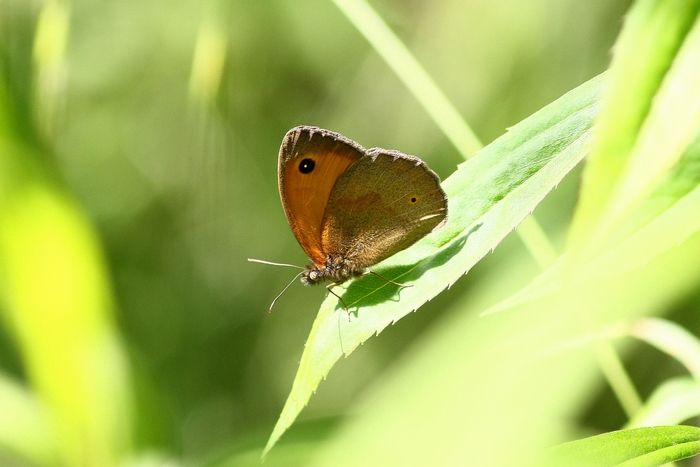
[{"x": 351, "y": 208}]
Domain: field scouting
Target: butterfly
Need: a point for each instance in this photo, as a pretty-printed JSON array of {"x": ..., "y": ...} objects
[{"x": 350, "y": 207}]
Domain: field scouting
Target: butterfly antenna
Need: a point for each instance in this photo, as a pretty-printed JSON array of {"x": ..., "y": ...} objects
[
  {"x": 283, "y": 291},
  {"x": 274, "y": 264},
  {"x": 288, "y": 285}
]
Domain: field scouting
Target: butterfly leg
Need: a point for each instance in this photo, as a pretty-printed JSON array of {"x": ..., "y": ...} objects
[
  {"x": 387, "y": 279},
  {"x": 328, "y": 287}
]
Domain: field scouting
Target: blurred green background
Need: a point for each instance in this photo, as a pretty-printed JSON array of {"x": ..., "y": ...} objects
[{"x": 161, "y": 122}]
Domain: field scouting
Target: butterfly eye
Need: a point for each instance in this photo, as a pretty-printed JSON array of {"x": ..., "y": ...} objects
[{"x": 307, "y": 166}]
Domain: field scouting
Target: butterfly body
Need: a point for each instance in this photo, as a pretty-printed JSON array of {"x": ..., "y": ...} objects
[
  {"x": 336, "y": 268},
  {"x": 351, "y": 208}
]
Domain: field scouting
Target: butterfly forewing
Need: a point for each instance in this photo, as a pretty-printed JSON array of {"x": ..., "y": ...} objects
[{"x": 310, "y": 162}]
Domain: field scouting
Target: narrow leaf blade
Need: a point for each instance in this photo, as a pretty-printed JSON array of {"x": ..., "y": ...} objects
[{"x": 641, "y": 447}]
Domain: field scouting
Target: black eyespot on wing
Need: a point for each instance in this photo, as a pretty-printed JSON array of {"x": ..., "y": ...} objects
[
  {"x": 307, "y": 166},
  {"x": 414, "y": 199}
]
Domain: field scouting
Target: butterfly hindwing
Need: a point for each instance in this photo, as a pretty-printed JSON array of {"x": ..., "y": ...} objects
[{"x": 380, "y": 205}]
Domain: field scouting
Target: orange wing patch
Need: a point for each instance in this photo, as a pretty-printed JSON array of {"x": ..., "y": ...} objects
[{"x": 310, "y": 162}]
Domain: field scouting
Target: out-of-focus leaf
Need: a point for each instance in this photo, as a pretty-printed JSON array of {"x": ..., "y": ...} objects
[
  {"x": 673, "y": 402},
  {"x": 666, "y": 219},
  {"x": 647, "y": 46},
  {"x": 25, "y": 428},
  {"x": 56, "y": 301},
  {"x": 671, "y": 338},
  {"x": 672, "y": 124},
  {"x": 469, "y": 383}
]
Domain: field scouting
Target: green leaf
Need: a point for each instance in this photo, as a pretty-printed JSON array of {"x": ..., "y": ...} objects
[
  {"x": 672, "y": 124},
  {"x": 647, "y": 46},
  {"x": 672, "y": 339},
  {"x": 468, "y": 384},
  {"x": 489, "y": 196},
  {"x": 57, "y": 304},
  {"x": 409, "y": 70},
  {"x": 25, "y": 428},
  {"x": 641, "y": 447},
  {"x": 666, "y": 219},
  {"x": 674, "y": 401}
]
